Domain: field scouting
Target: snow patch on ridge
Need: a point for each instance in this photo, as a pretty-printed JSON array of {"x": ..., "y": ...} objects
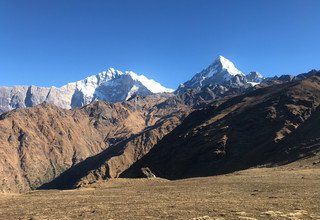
[
  {"x": 132, "y": 91},
  {"x": 89, "y": 84},
  {"x": 229, "y": 66},
  {"x": 150, "y": 84},
  {"x": 114, "y": 85},
  {"x": 254, "y": 83}
]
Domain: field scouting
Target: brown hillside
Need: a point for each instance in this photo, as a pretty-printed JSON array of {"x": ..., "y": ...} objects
[
  {"x": 161, "y": 119},
  {"x": 39, "y": 143},
  {"x": 117, "y": 158},
  {"x": 273, "y": 125}
]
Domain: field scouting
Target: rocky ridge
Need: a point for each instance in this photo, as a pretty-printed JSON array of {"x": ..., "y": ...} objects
[
  {"x": 111, "y": 86},
  {"x": 266, "y": 127},
  {"x": 222, "y": 72}
]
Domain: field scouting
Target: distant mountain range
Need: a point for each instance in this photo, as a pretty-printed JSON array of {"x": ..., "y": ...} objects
[
  {"x": 117, "y": 86},
  {"x": 111, "y": 86},
  {"x": 221, "y": 72},
  {"x": 270, "y": 126},
  {"x": 120, "y": 124}
]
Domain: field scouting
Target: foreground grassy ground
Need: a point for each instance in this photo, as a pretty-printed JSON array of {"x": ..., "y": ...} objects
[{"x": 264, "y": 193}]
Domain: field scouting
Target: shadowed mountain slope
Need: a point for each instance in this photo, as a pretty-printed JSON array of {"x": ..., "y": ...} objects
[
  {"x": 269, "y": 126},
  {"x": 49, "y": 147},
  {"x": 39, "y": 143},
  {"x": 117, "y": 158},
  {"x": 121, "y": 155}
]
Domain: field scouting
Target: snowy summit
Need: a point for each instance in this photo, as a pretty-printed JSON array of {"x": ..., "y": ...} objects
[
  {"x": 222, "y": 71},
  {"x": 114, "y": 86},
  {"x": 227, "y": 65},
  {"x": 111, "y": 86}
]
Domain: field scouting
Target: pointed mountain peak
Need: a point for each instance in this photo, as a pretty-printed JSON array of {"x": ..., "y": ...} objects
[
  {"x": 222, "y": 59},
  {"x": 109, "y": 73},
  {"x": 221, "y": 72},
  {"x": 227, "y": 65}
]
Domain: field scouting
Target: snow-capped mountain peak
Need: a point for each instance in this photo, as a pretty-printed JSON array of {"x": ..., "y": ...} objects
[
  {"x": 113, "y": 86},
  {"x": 110, "y": 73},
  {"x": 221, "y": 72},
  {"x": 228, "y": 66}
]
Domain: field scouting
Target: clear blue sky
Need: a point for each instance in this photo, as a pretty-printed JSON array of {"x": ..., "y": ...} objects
[{"x": 52, "y": 42}]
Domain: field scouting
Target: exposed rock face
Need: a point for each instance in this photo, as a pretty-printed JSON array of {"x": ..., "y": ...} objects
[
  {"x": 254, "y": 77},
  {"x": 268, "y": 126},
  {"x": 111, "y": 85},
  {"x": 28, "y": 96},
  {"x": 146, "y": 172},
  {"x": 287, "y": 78},
  {"x": 221, "y": 72}
]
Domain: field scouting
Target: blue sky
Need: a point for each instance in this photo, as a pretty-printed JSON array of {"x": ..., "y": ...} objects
[{"x": 52, "y": 42}]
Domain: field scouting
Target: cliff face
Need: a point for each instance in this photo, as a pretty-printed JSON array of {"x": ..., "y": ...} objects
[{"x": 28, "y": 96}]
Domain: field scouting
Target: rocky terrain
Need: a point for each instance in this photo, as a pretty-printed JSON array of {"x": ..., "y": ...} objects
[
  {"x": 218, "y": 122},
  {"x": 97, "y": 141},
  {"x": 269, "y": 126},
  {"x": 116, "y": 159},
  {"x": 116, "y": 86},
  {"x": 111, "y": 86},
  {"x": 39, "y": 143},
  {"x": 221, "y": 72}
]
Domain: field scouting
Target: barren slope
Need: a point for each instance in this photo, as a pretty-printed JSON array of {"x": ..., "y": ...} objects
[
  {"x": 39, "y": 143},
  {"x": 269, "y": 126},
  {"x": 161, "y": 119}
]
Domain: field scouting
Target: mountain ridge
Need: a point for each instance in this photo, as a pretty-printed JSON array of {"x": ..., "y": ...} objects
[
  {"x": 269, "y": 126},
  {"x": 111, "y": 85},
  {"x": 116, "y": 86},
  {"x": 55, "y": 147},
  {"x": 221, "y": 72}
]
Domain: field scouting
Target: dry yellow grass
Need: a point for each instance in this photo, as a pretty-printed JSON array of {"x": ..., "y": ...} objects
[{"x": 265, "y": 193}]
